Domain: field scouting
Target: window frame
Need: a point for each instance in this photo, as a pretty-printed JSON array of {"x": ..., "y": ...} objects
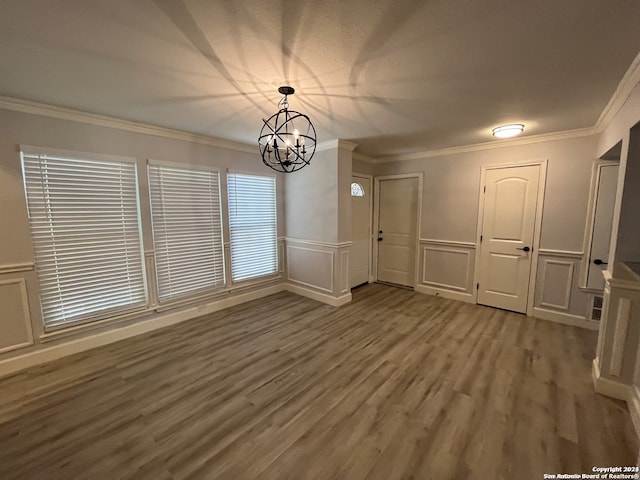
[
  {"x": 226, "y": 210},
  {"x": 200, "y": 293},
  {"x": 106, "y": 315}
]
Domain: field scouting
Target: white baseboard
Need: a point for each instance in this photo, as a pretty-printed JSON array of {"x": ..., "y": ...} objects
[
  {"x": 565, "y": 318},
  {"x": 53, "y": 352},
  {"x": 443, "y": 292},
  {"x": 608, "y": 387},
  {"x": 318, "y": 296}
]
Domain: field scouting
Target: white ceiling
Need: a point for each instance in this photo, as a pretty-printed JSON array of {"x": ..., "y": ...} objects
[{"x": 393, "y": 76}]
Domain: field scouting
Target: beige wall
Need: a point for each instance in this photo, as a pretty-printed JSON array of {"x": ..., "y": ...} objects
[
  {"x": 345, "y": 170},
  {"x": 20, "y": 128},
  {"x": 318, "y": 209},
  {"x": 450, "y": 212},
  {"x": 361, "y": 166},
  {"x": 312, "y": 200},
  {"x": 20, "y": 319},
  {"x": 452, "y": 189}
]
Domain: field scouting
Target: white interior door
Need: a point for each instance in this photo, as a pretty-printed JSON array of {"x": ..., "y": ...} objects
[
  {"x": 397, "y": 228},
  {"x": 602, "y": 222},
  {"x": 510, "y": 200},
  {"x": 359, "y": 253}
]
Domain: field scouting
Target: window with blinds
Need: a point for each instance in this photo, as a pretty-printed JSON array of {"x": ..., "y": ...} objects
[
  {"x": 85, "y": 226},
  {"x": 252, "y": 225},
  {"x": 187, "y": 230}
]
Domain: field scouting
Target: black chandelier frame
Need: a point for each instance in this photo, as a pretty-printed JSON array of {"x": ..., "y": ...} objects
[{"x": 283, "y": 146}]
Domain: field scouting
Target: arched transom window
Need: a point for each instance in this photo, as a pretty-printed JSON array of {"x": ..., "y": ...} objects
[{"x": 357, "y": 190}]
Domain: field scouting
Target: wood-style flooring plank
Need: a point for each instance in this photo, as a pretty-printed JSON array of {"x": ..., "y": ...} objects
[{"x": 395, "y": 385}]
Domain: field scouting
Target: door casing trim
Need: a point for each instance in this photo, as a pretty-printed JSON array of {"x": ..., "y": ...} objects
[
  {"x": 542, "y": 180},
  {"x": 596, "y": 171}
]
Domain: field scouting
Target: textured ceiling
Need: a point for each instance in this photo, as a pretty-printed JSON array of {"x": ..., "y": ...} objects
[{"x": 393, "y": 76}]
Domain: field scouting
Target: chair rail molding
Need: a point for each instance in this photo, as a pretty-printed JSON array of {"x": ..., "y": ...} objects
[
  {"x": 448, "y": 243},
  {"x": 317, "y": 243},
  {"x": 549, "y": 252},
  {"x": 17, "y": 267}
]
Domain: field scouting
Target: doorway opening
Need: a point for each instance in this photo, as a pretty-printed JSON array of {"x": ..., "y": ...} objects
[{"x": 604, "y": 187}]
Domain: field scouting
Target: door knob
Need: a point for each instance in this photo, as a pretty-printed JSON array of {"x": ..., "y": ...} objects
[
  {"x": 379, "y": 239},
  {"x": 597, "y": 261},
  {"x": 524, "y": 249}
]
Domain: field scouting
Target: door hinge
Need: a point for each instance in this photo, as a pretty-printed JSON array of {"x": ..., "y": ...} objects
[
  {"x": 480, "y": 238},
  {"x": 485, "y": 189},
  {"x": 477, "y": 286}
]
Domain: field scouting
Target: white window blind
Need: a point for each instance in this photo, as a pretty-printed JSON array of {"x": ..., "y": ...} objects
[
  {"x": 86, "y": 235},
  {"x": 187, "y": 230},
  {"x": 252, "y": 225}
]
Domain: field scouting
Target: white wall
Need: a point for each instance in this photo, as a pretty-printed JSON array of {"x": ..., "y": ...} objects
[{"x": 21, "y": 330}]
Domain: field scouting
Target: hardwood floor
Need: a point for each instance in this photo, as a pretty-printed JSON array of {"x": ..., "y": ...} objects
[{"x": 395, "y": 385}]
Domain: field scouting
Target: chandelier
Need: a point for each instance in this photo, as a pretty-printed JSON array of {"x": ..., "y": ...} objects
[{"x": 288, "y": 138}]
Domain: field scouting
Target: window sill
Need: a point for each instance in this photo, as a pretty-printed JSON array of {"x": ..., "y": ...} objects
[
  {"x": 63, "y": 332},
  {"x": 141, "y": 313},
  {"x": 218, "y": 294}
]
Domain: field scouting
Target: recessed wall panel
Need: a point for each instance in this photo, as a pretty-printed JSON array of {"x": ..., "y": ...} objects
[
  {"x": 310, "y": 267},
  {"x": 16, "y": 322}
]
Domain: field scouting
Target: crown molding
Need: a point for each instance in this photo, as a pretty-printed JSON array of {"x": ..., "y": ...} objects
[
  {"x": 630, "y": 80},
  {"x": 626, "y": 86},
  {"x": 63, "y": 113},
  {"x": 347, "y": 145},
  {"x": 544, "y": 137},
  {"x": 335, "y": 144},
  {"x": 363, "y": 158}
]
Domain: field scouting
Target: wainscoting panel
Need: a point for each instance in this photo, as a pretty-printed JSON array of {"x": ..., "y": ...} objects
[
  {"x": 447, "y": 266},
  {"x": 16, "y": 324},
  {"x": 557, "y": 295},
  {"x": 344, "y": 272},
  {"x": 309, "y": 266},
  {"x": 557, "y": 282}
]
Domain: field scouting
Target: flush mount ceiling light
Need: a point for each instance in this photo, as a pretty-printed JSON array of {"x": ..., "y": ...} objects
[
  {"x": 288, "y": 138},
  {"x": 508, "y": 131}
]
